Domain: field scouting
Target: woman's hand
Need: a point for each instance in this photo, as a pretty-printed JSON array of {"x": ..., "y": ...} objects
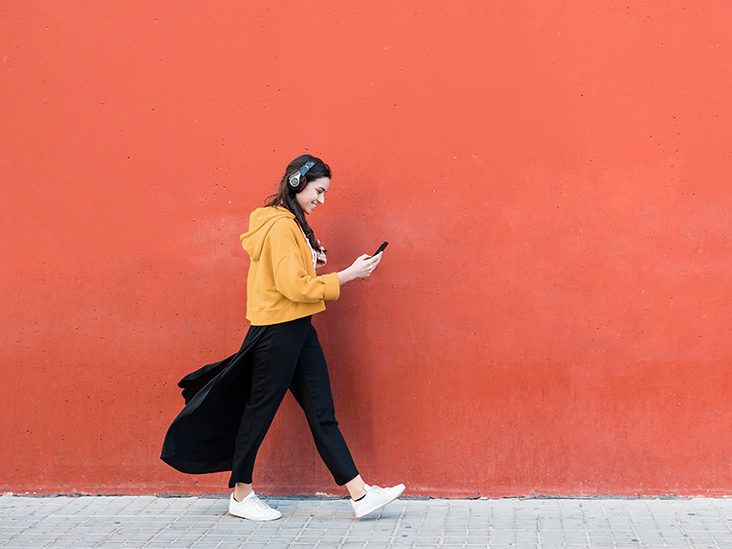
[
  {"x": 364, "y": 265},
  {"x": 321, "y": 260}
]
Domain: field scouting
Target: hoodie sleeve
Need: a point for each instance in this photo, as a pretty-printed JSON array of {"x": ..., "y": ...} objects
[{"x": 291, "y": 278}]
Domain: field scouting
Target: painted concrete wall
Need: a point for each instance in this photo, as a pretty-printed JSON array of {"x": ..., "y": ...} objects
[{"x": 552, "y": 315}]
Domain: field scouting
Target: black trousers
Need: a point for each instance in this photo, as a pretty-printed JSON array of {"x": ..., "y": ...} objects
[
  {"x": 288, "y": 355},
  {"x": 230, "y": 404}
]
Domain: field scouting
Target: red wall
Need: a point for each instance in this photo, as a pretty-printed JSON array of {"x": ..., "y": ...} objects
[{"x": 552, "y": 315}]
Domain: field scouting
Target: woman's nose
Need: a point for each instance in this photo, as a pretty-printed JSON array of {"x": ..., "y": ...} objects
[{"x": 321, "y": 199}]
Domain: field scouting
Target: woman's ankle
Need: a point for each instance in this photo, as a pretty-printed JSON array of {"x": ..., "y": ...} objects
[
  {"x": 242, "y": 490},
  {"x": 356, "y": 488}
]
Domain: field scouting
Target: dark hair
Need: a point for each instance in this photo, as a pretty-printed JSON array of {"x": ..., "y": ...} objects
[{"x": 285, "y": 198}]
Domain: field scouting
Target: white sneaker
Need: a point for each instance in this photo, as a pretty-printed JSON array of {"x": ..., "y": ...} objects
[
  {"x": 375, "y": 498},
  {"x": 252, "y": 508}
]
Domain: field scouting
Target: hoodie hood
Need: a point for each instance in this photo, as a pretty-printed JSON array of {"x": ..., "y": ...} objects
[{"x": 261, "y": 221}]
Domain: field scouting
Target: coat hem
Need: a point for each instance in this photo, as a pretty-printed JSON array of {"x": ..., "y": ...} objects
[{"x": 194, "y": 467}]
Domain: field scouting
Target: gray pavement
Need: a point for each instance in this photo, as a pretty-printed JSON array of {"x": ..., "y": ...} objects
[{"x": 149, "y": 521}]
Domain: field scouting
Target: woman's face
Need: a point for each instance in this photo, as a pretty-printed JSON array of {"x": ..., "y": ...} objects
[{"x": 313, "y": 194}]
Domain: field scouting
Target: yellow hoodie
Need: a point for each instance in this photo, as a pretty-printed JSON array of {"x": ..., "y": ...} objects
[{"x": 282, "y": 284}]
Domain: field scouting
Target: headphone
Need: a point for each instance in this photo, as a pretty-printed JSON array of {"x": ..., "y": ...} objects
[{"x": 295, "y": 183}]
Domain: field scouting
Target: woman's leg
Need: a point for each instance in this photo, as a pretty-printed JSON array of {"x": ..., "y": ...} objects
[
  {"x": 273, "y": 365},
  {"x": 311, "y": 388}
]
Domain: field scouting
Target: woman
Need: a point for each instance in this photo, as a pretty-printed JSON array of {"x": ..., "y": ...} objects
[{"x": 230, "y": 404}]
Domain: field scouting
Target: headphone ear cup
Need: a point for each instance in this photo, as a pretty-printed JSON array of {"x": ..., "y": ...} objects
[
  {"x": 293, "y": 183},
  {"x": 299, "y": 186}
]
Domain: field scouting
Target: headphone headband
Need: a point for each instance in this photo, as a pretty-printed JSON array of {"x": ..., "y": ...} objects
[{"x": 306, "y": 167}]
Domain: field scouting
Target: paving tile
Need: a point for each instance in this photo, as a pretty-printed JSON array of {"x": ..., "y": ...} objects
[{"x": 146, "y": 521}]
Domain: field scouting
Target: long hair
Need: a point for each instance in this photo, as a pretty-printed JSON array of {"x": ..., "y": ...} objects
[{"x": 285, "y": 198}]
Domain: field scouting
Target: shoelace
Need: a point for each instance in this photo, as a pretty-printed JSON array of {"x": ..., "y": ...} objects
[
  {"x": 375, "y": 488},
  {"x": 259, "y": 503}
]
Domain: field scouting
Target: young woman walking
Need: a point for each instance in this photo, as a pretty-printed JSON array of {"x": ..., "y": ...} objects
[{"x": 231, "y": 403}]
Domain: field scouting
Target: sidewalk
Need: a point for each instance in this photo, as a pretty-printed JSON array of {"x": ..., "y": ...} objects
[{"x": 148, "y": 521}]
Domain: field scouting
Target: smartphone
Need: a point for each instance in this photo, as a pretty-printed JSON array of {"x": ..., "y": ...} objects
[{"x": 383, "y": 245}]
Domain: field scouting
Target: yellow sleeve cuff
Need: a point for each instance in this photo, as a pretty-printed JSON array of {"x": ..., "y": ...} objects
[{"x": 332, "y": 286}]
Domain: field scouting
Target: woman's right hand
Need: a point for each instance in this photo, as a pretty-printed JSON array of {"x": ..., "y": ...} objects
[{"x": 365, "y": 265}]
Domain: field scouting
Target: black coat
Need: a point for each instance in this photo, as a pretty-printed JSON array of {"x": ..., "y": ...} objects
[{"x": 201, "y": 438}]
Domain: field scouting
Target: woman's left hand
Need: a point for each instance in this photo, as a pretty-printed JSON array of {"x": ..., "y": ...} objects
[{"x": 321, "y": 259}]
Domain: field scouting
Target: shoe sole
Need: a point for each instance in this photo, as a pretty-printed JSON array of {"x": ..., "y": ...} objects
[{"x": 382, "y": 504}]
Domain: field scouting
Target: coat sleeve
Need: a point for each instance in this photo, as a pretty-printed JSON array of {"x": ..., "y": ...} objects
[
  {"x": 293, "y": 281},
  {"x": 291, "y": 278}
]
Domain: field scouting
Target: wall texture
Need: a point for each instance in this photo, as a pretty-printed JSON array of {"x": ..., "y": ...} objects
[{"x": 552, "y": 316}]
